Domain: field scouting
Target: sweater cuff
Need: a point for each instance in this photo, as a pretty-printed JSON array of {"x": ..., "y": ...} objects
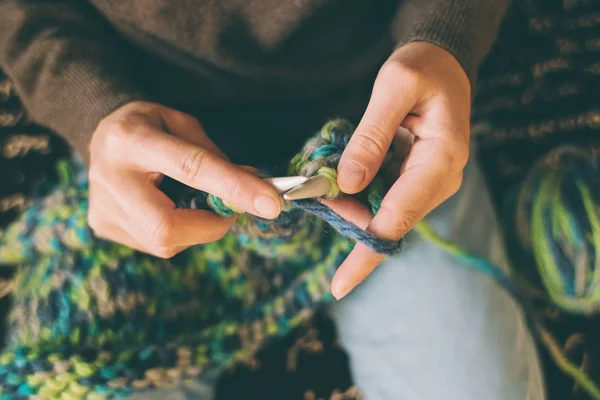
[{"x": 77, "y": 102}]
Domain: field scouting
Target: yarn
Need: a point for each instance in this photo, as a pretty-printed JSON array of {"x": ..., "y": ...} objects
[
  {"x": 97, "y": 320},
  {"x": 320, "y": 156},
  {"x": 94, "y": 319},
  {"x": 558, "y": 220}
]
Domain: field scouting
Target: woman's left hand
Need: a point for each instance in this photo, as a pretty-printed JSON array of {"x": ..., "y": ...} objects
[{"x": 424, "y": 89}]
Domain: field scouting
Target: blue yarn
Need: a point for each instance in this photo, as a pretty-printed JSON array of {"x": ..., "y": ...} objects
[{"x": 348, "y": 229}]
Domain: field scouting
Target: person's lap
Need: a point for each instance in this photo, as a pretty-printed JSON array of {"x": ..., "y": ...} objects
[{"x": 425, "y": 327}]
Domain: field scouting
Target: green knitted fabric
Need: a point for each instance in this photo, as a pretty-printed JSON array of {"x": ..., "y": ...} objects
[{"x": 94, "y": 319}]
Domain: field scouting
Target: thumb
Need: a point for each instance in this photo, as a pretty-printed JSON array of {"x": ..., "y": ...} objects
[{"x": 391, "y": 100}]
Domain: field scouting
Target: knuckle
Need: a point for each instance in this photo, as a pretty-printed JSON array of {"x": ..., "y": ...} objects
[
  {"x": 236, "y": 192},
  {"x": 161, "y": 233},
  {"x": 192, "y": 165},
  {"x": 117, "y": 135},
  {"x": 404, "y": 222},
  {"x": 120, "y": 129},
  {"x": 371, "y": 143},
  {"x": 407, "y": 221},
  {"x": 455, "y": 158}
]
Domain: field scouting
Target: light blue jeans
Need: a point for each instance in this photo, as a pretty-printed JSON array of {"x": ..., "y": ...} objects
[{"x": 424, "y": 327}]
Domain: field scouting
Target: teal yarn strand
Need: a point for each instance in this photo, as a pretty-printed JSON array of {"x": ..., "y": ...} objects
[{"x": 558, "y": 221}]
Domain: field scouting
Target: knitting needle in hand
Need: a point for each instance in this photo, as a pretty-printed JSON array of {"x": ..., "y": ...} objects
[{"x": 133, "y": 149}]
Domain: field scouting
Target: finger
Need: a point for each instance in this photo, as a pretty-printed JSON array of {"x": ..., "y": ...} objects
[
  {"x": 153, "y": 220},
  {"x": 423, "y": 186},
  {"x": 100, "y": 224},
  {"x": 356, "y": 267},
  {"x": 117, "y": 235},
  {"x": 394, "y": 96},
  {"x": 113, "y": 233},
  {"x": 362, "y": 261},
  {"x": 104, "y": 211},
  {"x": 203, "y": 170},
  {"x": 188, "y": 128},
  {"x": 426, "y": 180}
]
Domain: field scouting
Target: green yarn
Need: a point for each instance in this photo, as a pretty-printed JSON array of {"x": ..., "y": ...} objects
[
  {"x": 331, "y": 175},
  {"x": 558, "y": 220},
  {"x": 219, "y": 206}
]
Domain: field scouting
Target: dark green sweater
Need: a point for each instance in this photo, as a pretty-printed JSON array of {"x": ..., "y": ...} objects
[{"x": 260, "y": 75}]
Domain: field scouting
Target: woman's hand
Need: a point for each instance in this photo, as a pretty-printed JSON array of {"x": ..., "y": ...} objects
[
  {"x": 132, "y": 150},
  {"x": 424, "y": 89}
]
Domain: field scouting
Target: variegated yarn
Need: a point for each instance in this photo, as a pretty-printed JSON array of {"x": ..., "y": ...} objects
[{"x": 93, "y": 319}]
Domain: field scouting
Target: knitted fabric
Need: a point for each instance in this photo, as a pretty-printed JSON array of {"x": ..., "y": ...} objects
[
  {"x": 309, "y": 361},
  {"x": 94, "y": 319}
]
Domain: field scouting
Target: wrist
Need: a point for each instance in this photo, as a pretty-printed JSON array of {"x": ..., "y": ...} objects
[{"x": 435, "y": 63}]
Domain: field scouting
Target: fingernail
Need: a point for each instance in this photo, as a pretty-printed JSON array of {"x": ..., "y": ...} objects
[
  {"x": 267, "y": 206},
  {"x": 340, "y": 290},
  {"x": 351, "y": 175}
]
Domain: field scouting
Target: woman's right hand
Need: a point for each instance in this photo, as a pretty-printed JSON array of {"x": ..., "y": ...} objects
[{"x": 132, "y": 150}]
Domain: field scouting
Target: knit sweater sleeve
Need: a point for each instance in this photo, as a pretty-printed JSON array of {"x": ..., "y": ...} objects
[
  {"x": 69, "y": 66},
  {"x": 465, "y": 28}
]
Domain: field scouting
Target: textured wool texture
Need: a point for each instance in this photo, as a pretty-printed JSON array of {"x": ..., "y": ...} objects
[
  {"x": 308, "y": 362},
  {"x": 93, "y": 318},
  {"x": 236, "y": 66}
]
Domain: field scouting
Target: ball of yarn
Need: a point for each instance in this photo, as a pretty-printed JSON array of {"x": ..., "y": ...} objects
[{"x": 558, "y": 220}]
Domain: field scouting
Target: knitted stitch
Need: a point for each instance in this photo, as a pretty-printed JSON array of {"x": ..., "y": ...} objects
[{"x": 94, "y": 319}]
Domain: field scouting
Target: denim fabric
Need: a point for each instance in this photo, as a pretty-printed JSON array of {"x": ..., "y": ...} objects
[{"x": 423, "y": 326}]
